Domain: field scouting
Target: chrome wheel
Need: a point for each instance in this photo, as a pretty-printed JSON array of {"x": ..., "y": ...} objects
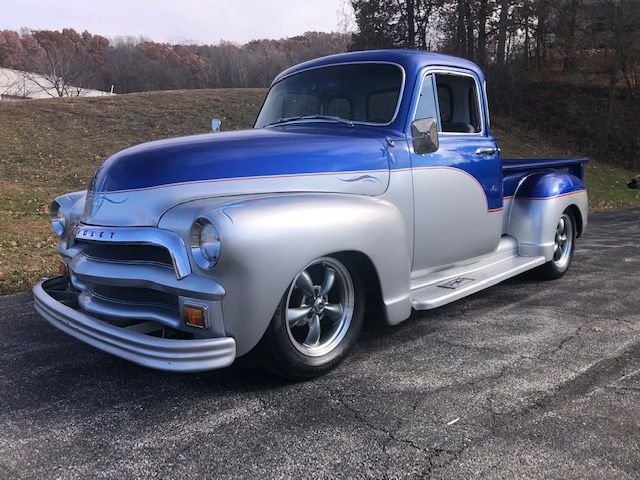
[
  {"x": 319, "y": 307},
  {"x": 563, "y": 247}
]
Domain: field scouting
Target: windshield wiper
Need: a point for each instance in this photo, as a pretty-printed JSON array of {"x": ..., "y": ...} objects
[
  {"x": 283, "y": 120},
  {"x": 330, "y": 118}
]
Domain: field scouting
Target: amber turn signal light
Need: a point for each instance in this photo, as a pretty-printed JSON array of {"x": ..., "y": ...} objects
[{"x": 195, "y": 316}]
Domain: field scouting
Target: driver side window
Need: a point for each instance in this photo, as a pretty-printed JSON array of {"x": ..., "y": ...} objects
[
  {"x": 452, "y": 99},
  {"x": 458, "y": 103}
]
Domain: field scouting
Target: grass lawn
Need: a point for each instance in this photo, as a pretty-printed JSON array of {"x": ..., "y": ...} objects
[{"x": 50, "y": 147}]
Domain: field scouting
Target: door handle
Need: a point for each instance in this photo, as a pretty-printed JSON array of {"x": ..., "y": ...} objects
[{"x": 486, "y": 151}]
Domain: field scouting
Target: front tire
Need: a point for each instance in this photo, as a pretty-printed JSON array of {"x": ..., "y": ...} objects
[
  {"x": 317, "y": 321},
  {"x": 564, "y": 246}
]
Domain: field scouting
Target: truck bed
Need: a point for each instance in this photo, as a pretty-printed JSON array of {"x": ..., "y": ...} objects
[
  {"x": 518, "y": 170},
  {"x": 573, "y": 165}
]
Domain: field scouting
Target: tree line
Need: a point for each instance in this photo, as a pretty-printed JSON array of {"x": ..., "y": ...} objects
[
  {"x": 570, "y": 68},
  {"x": 68, "y": 59},
  {"x": 582, "y": 36},
  {"x": 586, "y": 37}
]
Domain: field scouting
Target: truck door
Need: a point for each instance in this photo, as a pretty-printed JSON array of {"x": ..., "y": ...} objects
[{"x": 458, "y": 188}]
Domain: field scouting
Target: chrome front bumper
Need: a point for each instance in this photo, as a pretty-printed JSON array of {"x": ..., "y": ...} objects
[{"x": 130, "y": 343}]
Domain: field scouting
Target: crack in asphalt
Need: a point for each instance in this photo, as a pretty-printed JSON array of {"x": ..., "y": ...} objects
[
  {"x": 629, "y": 323},
  {"x": 494, "y": 378},
  {"x": 561, "y": 344},
  {"x": 582, "y": 384},
  {"x": 467, "y": 346},
  {"x": 431, "y": 454},
  {"x": 630, "y": 389},
  {"x": 168, "y": 462},
  {"x": 7, "y": 472}
]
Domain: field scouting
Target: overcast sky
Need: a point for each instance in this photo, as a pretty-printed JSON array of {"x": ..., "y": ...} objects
[{"x": 200, "y": 21}]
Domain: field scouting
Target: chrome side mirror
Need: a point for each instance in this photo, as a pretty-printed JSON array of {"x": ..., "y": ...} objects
[
  {"x": 424, "y": 133},
  {"x": 216, "y": 125}
]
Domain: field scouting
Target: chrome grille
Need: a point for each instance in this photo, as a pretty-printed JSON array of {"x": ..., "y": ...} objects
[
  {"x": 139, "y": 296},
  {"x": 126, "y": 253},
  {"x": 134, "y": 245},
  {"x": 129, "y": 275},
  {"x": 126, "y": 306}
]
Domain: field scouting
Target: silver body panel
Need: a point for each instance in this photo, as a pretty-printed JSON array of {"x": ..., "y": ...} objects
[
  {"x": 266, "y": 240},
  {"x": 529, "y": 221},
  {"x": 442, "y": 233}
]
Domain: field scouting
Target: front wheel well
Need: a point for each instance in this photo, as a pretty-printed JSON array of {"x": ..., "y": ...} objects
[{"x": 370, "y": 280}]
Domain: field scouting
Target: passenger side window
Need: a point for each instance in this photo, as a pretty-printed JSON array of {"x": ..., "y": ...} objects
[
  {"x": 445, "y": 103},
  {"x": 458, "y": 102},
  {"x": 427, "y": 102}
]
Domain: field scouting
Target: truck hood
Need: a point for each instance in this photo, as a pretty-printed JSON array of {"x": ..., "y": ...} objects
[{"x": 136, "y": 186}]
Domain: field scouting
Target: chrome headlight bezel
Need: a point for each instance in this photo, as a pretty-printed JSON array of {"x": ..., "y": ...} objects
[
  {"x": 58, "y": 219},
  {"x": 205, "y": 243}
]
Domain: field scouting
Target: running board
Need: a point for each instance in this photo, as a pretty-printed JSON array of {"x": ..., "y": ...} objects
[{"x": 450, "y": 285}]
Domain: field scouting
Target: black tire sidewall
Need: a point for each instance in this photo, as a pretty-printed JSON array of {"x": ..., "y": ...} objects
[
  {"x": 286, "y": 360},
  {"x": 551, "y": 271}
]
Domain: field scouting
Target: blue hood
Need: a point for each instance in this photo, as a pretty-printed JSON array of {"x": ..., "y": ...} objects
[
  {"x": 239, "y": 155},
  {"x": 136, "y": 186}
]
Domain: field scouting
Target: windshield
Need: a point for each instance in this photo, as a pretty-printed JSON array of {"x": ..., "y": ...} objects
[{"x": 359, "y": 93}]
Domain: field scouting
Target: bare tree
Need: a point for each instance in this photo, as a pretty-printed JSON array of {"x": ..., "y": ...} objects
[
  {"x": 502, "y": 31},
  {"x": 483, "y": 14},
  {"x": 61, "y": 66}
]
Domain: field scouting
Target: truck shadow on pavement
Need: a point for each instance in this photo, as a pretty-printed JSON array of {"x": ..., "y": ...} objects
[{"x": 58, "y": 369}]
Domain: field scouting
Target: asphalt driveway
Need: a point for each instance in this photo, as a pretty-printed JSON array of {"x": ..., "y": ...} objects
[{"x": 526, "y": 379}]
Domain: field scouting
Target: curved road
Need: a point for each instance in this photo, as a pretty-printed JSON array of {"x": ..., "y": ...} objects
[{"x": 526, "y": 379}]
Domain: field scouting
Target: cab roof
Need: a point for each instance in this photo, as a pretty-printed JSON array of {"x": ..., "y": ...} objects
[{"x": 412, "y": 61}]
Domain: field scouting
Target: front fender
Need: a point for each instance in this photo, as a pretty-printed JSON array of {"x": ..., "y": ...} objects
[{"x": 266, "y": 241}]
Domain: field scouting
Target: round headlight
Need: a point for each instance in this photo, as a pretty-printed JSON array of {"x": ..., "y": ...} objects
[
  {"x": 205, "y": 243},
  {"x": 57, "y": 219}
]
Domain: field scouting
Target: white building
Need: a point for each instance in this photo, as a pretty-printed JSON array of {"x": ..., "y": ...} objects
[{"x": 18, "y": 85}]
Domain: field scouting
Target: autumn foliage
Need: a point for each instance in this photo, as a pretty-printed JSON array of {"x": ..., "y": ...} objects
[{"x": 131, "y": 64}]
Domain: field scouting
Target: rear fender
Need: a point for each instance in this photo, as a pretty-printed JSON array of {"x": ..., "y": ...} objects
[{"x": 538, "y": 203}]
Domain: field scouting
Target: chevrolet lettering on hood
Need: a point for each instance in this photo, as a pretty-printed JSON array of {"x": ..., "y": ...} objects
[{"x": 93, "y": 233}]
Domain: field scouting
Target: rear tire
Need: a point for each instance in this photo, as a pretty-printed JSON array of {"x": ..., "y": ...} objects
[
  {"x": 565, "y": 242},
  {"x": 317, "y": 321}
]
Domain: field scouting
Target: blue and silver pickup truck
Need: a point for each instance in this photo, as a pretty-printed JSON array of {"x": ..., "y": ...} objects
[{"x": 369, "y": 178}]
